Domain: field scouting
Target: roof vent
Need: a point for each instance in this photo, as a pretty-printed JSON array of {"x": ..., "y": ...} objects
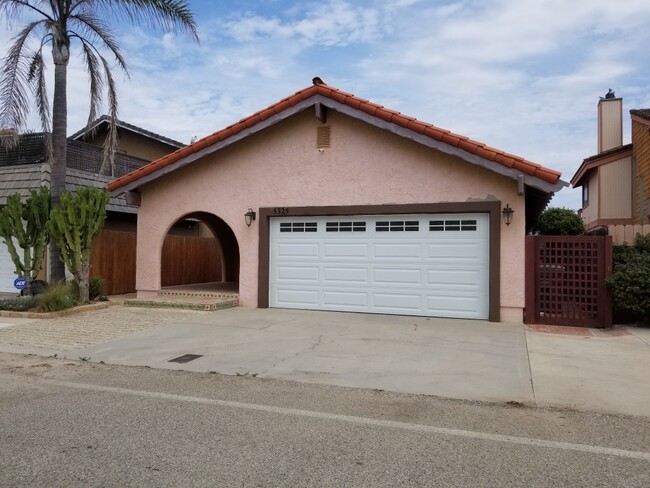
[{"x": 323, "y": 136}]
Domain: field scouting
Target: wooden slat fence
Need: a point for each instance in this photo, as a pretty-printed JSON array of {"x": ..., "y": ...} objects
[
  {"x": 626, "y": 234},
  {"x": 190, "y": 260},
  {"x": 184, "y": 260},
  {"x": 113, "y": 258}
]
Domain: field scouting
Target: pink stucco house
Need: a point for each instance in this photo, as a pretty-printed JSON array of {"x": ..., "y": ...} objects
[{"x": 352, "y": 207}]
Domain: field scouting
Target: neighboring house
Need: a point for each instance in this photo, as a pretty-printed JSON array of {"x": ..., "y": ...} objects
[
  {"x": 24, "y": 167},
  {"x": 616, "y": 182},
  {"x": 352, "y": 207}
]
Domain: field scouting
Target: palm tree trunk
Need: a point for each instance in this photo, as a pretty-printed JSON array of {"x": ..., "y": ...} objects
[{"x": 61, "y": 56}]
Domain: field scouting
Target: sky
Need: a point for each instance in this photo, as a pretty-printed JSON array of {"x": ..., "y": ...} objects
[{"x": 524, "y": 76}]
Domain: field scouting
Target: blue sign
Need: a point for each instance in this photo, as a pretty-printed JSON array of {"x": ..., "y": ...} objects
[{"x": 20, "y": 283}]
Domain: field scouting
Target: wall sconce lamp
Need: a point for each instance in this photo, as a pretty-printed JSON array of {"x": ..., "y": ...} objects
[
  {"x": 507, "y": 214},
  {"x": 249, "y": 217}
]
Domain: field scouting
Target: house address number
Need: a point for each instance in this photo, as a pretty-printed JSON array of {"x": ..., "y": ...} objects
[{"x": 280, "y": 211}]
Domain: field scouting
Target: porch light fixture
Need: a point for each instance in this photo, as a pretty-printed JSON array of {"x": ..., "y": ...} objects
[
  {"x": 507, "y": 214},
  {"x": 249, "y": 216}
]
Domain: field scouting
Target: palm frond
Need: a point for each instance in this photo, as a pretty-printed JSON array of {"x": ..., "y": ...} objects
[
  {"x": 13, "y": 8},
  {"x": 171, "y": 15},
  {"x": 110, "y": 144},
  {"x": 37, "y": 78},
  {"x": 93, "y": 68},
  {"x": 14, "y": 80},
  {"x": 91, "y": 25}
]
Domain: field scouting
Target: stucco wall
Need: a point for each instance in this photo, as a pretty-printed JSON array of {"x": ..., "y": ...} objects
[{"x": 282, "y": 167}]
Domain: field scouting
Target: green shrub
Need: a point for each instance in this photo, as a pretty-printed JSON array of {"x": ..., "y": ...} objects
[
  {"x": 19, "y": 304},
  {"x": 560, "y": 222},
  {"x": 56, "y": 297},
  {"x": 629, "y": 283},
  {"x": 96, "y": 289}
]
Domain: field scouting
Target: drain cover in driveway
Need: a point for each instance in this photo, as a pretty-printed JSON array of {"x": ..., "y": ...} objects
[{"x": 185, "y": 358}]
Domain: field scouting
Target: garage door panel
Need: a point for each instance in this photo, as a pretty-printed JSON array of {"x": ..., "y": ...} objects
[
  {"x": 297, "y": 249},
  {"x": 345, "y": 275},
  {"x": 295, "y": 296},
  {"x": 397, "y": 251},
  {"x": 404, "y": 302},
  {"x": 459, "y": 251},
  {"x": 382, "y": 268},
  {"x": 470, "y": 278},
  {"x": 336, "y": 300},
  {"x": 300, "y": 273},
  {"x": 393, "y": 276},
  {"x": 345, "y": 250},
  {"x": 456, "y": 305}
]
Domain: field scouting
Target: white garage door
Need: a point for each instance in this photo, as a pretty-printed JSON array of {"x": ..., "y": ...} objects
[
  {"x": 7, "y": 275},
  {"x": 431, "y": 265}
]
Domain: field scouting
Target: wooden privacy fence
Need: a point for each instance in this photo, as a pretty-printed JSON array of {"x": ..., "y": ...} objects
[
  {"x": 626, "y": 234},
  {"x": 190, "y": 260},
  {"x": 184, "y": 260},
  {"x": 113, "y": 258},
  {"x": 565, "y": 280}
]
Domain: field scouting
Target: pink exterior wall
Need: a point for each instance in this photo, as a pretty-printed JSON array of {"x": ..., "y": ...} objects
[{"x": 281, "y": 167}]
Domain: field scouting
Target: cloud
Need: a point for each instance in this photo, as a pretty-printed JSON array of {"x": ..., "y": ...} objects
[
  {"x": 521, "y": 75},
  {"x": 332, "y": 23}
]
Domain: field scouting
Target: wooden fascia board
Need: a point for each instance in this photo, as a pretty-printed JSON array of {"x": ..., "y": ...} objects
[{"x": 640, "y": 120}]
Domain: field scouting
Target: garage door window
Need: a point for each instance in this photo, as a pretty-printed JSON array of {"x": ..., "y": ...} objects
[
  {"x": 397, "y": 226},
  {"x": 452, "y": 225},
  {"x": 299, "y": 227},
  {"x": 345, "y": 227}
]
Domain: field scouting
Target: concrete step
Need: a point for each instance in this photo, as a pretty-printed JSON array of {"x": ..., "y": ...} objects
[
  {"x": 209, "y": 304},
  {"x": 199, "y": 294}
]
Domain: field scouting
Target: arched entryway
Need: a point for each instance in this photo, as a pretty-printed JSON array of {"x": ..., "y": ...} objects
[{"x": 200, "y": 252}]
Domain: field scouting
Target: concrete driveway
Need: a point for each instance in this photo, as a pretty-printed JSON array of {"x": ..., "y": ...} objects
[
  {"x": 460, "y": 359},
  {"x": 584, "y": 369}
]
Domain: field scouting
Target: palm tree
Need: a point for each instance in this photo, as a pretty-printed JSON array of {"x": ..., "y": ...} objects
[{"x": 60, "y": 24}]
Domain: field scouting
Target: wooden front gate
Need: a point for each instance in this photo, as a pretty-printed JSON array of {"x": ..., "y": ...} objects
[{"x": 565, "y": 280}]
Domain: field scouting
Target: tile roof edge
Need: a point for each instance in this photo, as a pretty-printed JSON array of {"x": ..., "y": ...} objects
[{"x": 471, "y": 146}]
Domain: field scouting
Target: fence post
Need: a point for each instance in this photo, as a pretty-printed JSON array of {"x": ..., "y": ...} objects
[
  {"x": 607, "y": 272},
  {"x": 531, "y": 280}
]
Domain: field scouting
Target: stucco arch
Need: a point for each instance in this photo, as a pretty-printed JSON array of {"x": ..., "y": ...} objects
[{"x": 220, "y": 231}]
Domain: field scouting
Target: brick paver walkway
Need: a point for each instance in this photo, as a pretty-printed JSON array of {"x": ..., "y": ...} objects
[{"x": 84, "y": 329}]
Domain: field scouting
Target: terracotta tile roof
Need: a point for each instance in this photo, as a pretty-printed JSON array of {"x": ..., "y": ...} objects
[{"x": 429, "y": 130}]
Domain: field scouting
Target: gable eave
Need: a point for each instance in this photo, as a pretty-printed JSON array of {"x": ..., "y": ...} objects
[
  {"x": 103, "y": 120},
  {"x": 425, "y": 140}
]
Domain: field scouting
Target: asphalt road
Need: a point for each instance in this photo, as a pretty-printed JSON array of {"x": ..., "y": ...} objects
[{"x": 71, "y": 423}]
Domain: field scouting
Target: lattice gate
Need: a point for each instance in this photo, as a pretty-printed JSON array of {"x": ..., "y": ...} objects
[{"x": 565, "y": 280}]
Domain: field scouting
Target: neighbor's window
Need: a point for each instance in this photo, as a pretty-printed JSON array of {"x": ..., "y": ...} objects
[{"x": 585, "y": 195}]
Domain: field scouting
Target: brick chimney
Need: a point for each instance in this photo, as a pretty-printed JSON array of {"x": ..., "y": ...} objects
[{"x": 610, "y": 122}]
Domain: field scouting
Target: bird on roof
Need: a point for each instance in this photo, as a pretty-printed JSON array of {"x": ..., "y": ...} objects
[
  {"x": 317, "y": 81},
  {"x": 610, "y": 94}
]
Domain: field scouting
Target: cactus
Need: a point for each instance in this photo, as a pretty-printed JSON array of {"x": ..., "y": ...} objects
[
  {"x": 73, "y": 224},
  {"x": 26, "y": 225}
]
